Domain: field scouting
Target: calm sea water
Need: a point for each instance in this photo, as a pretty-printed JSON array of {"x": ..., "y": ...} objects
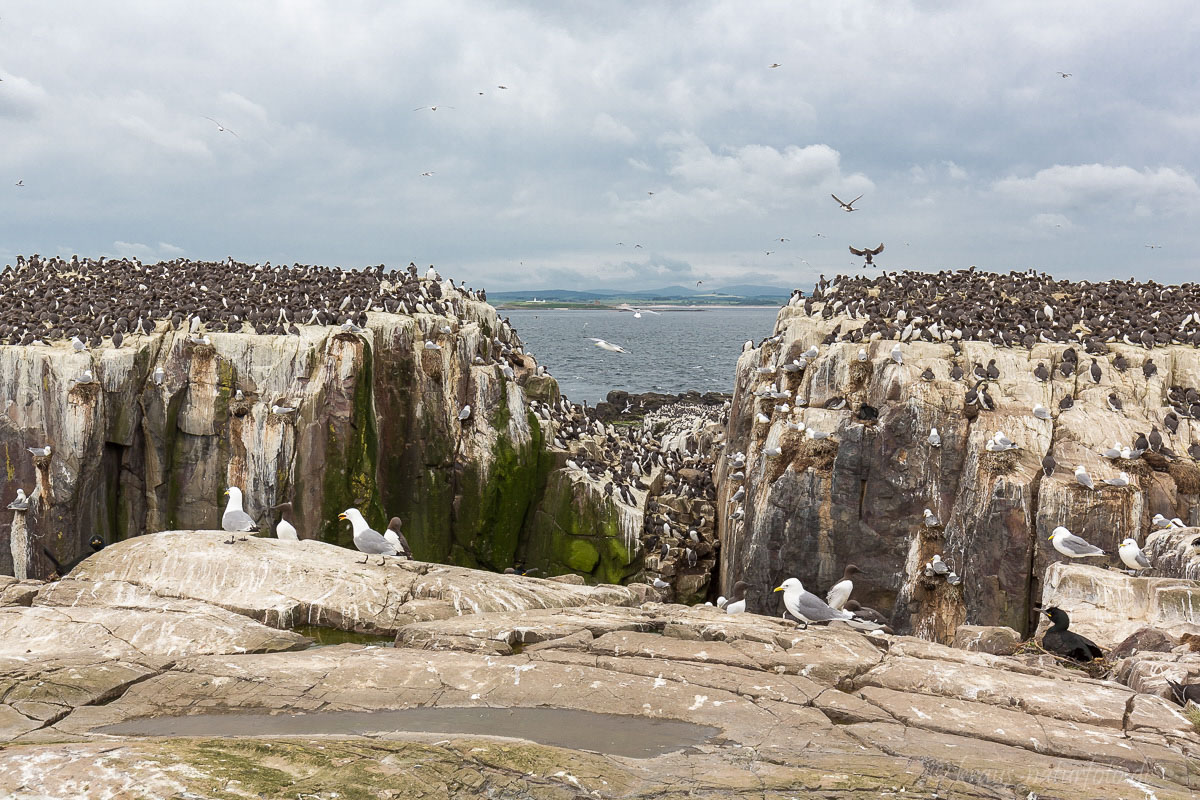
[{"x": 672, "y": 352}]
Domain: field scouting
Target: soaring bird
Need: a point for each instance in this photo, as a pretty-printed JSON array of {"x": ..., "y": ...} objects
[
  {"x": 849, "y": 207},
  {"x": 868, "y": 253},
  {"x": 1071, "y": 545},
  {"x": 839, "y": 593},
  {"x": 235, "y": 520},
  {"x": 368, "y": 542},
  {"x": 221, "y": 128},
  {"x": 1062, "y": 642},
  {"x": 612, "y": 348}
]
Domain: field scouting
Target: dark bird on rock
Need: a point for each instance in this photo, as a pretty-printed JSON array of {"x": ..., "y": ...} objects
[
  {"x": 1148, "y": 368},
  {"x": 1048, "y": 464},
  {"x": 1065, "y": 643},
  {"x": 858, "y": 610},
  {"x": 1066, "y": 402},
  {"x": 927, "y": 375},
  {"x": 1094, "y": 371},
  {"x": 956, "y": 373},
  {"x": 1040, "y": 372},
  {"x": 1181, "y": 693},
  {"x": 867, "y": 252}
]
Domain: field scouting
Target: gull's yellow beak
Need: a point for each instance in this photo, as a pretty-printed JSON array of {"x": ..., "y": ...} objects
[
  {"x": 226, "y": 491},
  {"x": 778, "y": 589},
  {"x": 342, "y": 516},
  {"x": 1050, "y": 537}
]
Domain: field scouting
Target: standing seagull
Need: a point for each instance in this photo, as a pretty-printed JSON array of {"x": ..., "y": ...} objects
[
  {"x": 235, "y": 520},
  {"x": 368, "y": 542},
  {"x": 935, "y": 438},
  {"x": 848, "y": 206},
  {"x": 1133, "y": 556},
  {"x": 1072, "y": 546},
  {"x": 1082, "y": 477},
  {"x": 839, "y": 593}
]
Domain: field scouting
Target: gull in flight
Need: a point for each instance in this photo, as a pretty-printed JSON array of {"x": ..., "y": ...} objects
[
  {"x": 847, "y": 206},
  {"x": 775, "y": 66},
  {"x": 1151, "y": 246},
  {"x": 1064, "y": 74},
  {"x": 431, "y": 108},
  {"x": 426, "y": 174},
  {"x": 221, "y": 128},
  {"x": 603, "y": 345},
  {"x": 20, "y": 183},
  {"x": 637, "y": 312}
]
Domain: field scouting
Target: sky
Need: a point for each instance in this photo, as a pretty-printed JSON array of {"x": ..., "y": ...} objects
[{"x": 606, "y": 144}]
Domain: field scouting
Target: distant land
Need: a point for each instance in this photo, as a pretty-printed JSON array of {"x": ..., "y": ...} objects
[{"x": 735, "y": 295}]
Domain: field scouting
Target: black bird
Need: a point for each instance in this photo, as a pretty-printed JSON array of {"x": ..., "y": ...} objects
[
  {"x": 1171, "y": 422},
  {"x": 1062, "y": 642},
  {"x": 1120, "y": 363},
  {"x": 956, "y": 373},
  {"x": 1141, "y": 443},
  {"x": 863, "y": 612},
  {"x": 1048, "y": 464},
  {"x": 1155, "y": 439},
  {"x": 1067, "y": 368},
  {"x": 1148, "y": 368},
  {"x": 867, "y": 412},
  {"x": 1180, "y": 692},
  {"x": 993, "y": 372},
  {"x": 1094, "y": 371},
  {"x": 927, "y": 375},
  {"x": 1065, "y": 403},
  {"x": 867, "y": 252},
  {"x": 1040, "y": 372}
]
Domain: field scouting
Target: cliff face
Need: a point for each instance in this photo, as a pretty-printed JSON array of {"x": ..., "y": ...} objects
[
  {"x": 859, "y": 497},
  {"x": 376, "y": 427}
]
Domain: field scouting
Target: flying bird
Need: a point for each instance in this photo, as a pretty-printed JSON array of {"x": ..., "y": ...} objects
[
  {"x": 612, "y": 348},
  {"x": 431, "y": 108},
  {"x": 867, "y": 252},
  {"x": 221, "y": 128},
  {"x": 775, "y": 66},
  {"x": 1064, "y": 74},
  {"x": 19, "y": 183},
  {"x": 847, "y": 206}
]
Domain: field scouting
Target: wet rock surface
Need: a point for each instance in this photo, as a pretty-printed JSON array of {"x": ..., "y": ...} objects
[{"x": 825, "y": 710}]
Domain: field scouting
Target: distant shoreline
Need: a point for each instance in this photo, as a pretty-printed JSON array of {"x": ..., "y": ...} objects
[{"x": 660, "y": 307}]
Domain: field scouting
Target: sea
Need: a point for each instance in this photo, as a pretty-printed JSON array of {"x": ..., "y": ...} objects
[{"x": 673, "y": 351}]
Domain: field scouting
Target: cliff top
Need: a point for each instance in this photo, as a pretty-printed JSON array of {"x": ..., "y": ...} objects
[{"x": 1017, "y": 309}]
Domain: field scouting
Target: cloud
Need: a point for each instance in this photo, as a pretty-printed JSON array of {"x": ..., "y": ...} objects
[
  {"x": 605, "y": 128},
  {"x": 1160, "y": 190}
]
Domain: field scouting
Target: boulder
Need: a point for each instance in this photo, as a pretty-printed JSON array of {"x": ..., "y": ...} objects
[
  {"x": 284, "y": 584},
  {"x": 997, "y": 640},
  {"x": 1108, "y": 606}
]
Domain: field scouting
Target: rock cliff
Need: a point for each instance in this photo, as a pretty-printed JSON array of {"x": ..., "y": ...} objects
[{"x": 813, "y": 506}]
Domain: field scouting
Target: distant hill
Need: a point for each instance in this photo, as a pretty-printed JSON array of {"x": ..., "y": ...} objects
[{"x": 667, "y": 294}]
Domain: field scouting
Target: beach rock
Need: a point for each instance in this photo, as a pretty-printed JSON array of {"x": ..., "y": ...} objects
[
  {"x": 284, "y": 584},
  {"x": 1108, "y": 606},
  {"x": 997, "y": 640},
  {"x": 859, "y": 496}
]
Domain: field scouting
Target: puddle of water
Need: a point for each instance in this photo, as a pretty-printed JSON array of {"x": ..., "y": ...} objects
[
  {"x": 325, "y": 637},
  {"x": 610, "y": 734}
]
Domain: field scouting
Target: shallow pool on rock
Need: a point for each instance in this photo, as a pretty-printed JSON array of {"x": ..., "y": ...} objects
[
  {"x": 610, "y": 734},
  {"x": 327, "y": 637}
]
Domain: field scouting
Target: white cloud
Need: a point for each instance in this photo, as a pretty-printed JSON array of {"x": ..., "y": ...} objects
[
  {"x": 1162, "y": 189},
  {"x": 606, "y": 128}
]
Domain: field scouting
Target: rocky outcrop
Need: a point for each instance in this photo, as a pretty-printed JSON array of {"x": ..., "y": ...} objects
[
  {"x": 812, "y": 507},
  {"x": 817, "y": 708}
]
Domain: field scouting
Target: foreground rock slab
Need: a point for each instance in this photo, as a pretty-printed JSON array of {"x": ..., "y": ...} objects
[{"x": 828, "y": 711}]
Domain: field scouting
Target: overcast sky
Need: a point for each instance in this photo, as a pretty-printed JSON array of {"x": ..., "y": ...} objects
[{"x": 659, "y": 124}]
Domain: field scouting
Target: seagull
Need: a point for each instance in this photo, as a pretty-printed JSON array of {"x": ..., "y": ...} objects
[
  {"x": 21, "y": 503},
  {"x": 1071, "y": 545},
  {"x": 1064, "y": 74},
  {"x": 1041, "y": 412},
  {"x": 464, "y": 413},
  {"x": 235, "y": 520},
  {"x": 277, "y": 409},
  {"x": 159, "y": 375},
  {"x": 937, "y": 567},
  {"x": 931, "y": 520},
  {"x": 867, "y": 252},
  {"x": 431, "y": 108},
  {"x": 427, "y": 174},
  {"x": 221, "y": 128},
  {"x": 809, "y": 608},
  {"x": 775, "y": 66},
  {"x": 897, "y": 354},
  {"x": 848, "y": 206},
  {"x": 935, "y": 438},
  {"x": 1120, "y": 480},
  {"x": 1082, "y": 477},
  {"x": 369, "y": 542},
  {"x": 19, "y": 183},
  {"x": 39, "y": 451},
  {"x": 1132, "y": 555},
  {"x": 603, "y": 345}
]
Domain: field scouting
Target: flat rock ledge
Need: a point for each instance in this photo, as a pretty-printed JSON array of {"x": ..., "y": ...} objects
[{"x": 823, "y": 712}]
